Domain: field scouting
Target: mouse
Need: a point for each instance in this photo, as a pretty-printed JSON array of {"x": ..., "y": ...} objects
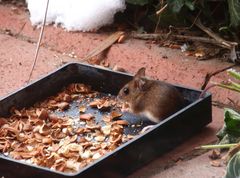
[{"x": 156, "y": 100}]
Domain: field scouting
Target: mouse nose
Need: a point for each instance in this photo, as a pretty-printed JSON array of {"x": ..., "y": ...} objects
[{"x": 119, "y": 97}]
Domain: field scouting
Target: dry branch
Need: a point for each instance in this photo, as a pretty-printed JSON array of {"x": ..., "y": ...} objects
[
  {"x": 103, "y": 46},
  {"x": 221, "y": 42},
  {"x": 162, "y": 9},
  {"x": 210, "y": 75},
  {"x": 178, "y": 37},
  {"x": 225, "y": 43}
]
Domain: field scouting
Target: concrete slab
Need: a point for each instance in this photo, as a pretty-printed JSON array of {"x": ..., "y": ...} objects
[
  {"x": 198, "y": 167},
  {"x": 16, "y": 59}
]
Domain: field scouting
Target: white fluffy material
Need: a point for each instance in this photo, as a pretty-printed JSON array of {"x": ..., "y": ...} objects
[{"x": 82, "y": 15}]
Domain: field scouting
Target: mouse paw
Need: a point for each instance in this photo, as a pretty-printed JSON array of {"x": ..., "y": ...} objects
[
  {"x": 146, "y": 128},
  {"x": 125, "y": 110}
]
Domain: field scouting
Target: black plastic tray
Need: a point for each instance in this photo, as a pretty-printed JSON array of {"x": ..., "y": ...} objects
[{"x": 128, "y": 157}]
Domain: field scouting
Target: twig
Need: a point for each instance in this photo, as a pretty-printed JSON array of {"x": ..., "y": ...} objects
[
  {"x": 179, "y": 37},
  {"x": 162, "y": 9},
  {"x": 195, "y": 19},
  {"x": 223, "y": 43},
  {"x": 235, "y": 105},
  {"x": 104, "y": 45},
  {"x": 39, "y": 42},
  {"x": 216, "y": 146},
  {"x": 227, "y": 44},
  {"x": 210, "y": 75},
  {"x": 158, "y": 14},
  {"x": 21, "y": 29}
]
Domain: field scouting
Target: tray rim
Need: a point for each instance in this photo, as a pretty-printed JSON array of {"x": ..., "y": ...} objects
[{"x": 2, "y": 156}]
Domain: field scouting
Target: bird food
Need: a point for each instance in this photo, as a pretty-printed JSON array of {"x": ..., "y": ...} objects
[{"x": 47, "y": 135}]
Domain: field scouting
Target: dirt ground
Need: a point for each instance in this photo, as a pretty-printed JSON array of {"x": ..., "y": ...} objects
[{"x": 17, "y": 46}]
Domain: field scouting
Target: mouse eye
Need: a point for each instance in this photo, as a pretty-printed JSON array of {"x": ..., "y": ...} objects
[{"x": 125, "y": 91}]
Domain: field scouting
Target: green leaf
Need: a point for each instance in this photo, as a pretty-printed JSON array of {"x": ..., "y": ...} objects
[
  {"x": 228, "y": 139},
  {"x": 234, "y": 10},
  {"x": 190, "y": 4},
  {"x": 138, "y": 2},
  {"x": 232, "y": 122},
  {"x": 176, "y": 5},
  {"x": 222, "y": 133},
  {"x": 230, "y": 133},
  {"x": 233, "y": 166}
]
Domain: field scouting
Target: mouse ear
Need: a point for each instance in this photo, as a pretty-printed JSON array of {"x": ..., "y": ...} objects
[
  {"x": 139, "y": 84},
  {"x": 140, "y": 73}
]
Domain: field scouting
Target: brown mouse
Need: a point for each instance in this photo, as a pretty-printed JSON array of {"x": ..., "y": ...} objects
[{"x": 154, "y": 99}]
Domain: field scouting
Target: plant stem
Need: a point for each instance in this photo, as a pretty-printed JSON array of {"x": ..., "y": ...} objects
[
  {"x": 210, "y": 75},
  {"x": 206, "y": 89},
  {"x": 234, "y": 74},
  {"x": 230, "y": 87},
  {"x": 236, "y": 85},
  {"x": 206, "y": 147}
]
